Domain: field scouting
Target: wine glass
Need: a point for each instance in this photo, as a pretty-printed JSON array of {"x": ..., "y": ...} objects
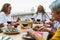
[
  {"x": 9, "y": 22},
  {"x": 38, "y": 20},
  {"x": 33, "y": 19},
  {"x": 25, "y": 24}
]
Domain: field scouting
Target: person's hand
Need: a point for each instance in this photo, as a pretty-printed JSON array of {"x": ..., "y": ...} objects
[
  {"x": 1, "y": 25},
  {"x": 45, "y": 29},
  {"x": 49, "y": 24},
  {"x": 46, "y": 25},
  {"x": 30, "y": 32},
  {"x": 12, "y": 23}
]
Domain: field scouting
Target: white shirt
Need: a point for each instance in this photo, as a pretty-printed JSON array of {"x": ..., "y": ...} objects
[
  {"x": 39, "y": 16},
  {"x": 4, "y": 18}
]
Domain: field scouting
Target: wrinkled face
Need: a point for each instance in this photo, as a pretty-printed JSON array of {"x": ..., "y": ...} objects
[
  {"x": 55, "y": 15},
  {"x": 9, "y": 9}
]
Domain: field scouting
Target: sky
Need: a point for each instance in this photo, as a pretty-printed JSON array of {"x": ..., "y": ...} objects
[{"x": 19, "y": 6}]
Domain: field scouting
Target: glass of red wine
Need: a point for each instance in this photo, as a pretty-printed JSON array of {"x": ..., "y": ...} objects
[
  {"x": 9, "y": 22},
  {"x": 33, "y": 19},
  {"x": 38, "y": 20},
  {"x": 25, "y": 24}
]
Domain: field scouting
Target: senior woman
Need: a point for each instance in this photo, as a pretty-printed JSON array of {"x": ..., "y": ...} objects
[{"x": 55, "y": 8}]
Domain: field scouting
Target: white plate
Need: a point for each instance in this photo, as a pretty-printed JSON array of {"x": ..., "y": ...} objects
[{"x": 7, "y": 32}]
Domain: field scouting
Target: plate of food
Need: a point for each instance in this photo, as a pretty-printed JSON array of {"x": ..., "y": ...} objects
[
  {"x": 11, "y": 30},
  {"x": 27, "y": 37}
]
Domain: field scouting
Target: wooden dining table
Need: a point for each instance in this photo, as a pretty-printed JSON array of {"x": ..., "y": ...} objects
[{"x": 16, "y": 36}]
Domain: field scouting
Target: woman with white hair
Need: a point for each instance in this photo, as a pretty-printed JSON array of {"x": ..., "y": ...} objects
[{"x": 55, "y": 8}]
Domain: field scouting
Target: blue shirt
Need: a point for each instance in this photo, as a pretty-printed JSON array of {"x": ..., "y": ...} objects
[{"x": 56, "y": 26}]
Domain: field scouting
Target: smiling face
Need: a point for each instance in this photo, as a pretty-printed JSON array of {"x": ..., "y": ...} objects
[
  {"x": 6, "y": 8},
  {"x": 40, "y": 9},
  {"x": 9, "y": 9}
]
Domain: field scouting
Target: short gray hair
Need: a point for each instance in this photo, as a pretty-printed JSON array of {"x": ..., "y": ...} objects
[{"x": 55, "y": 6}]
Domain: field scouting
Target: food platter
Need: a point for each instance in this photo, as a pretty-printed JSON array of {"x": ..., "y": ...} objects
[{"x": 5, "y": 31}]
